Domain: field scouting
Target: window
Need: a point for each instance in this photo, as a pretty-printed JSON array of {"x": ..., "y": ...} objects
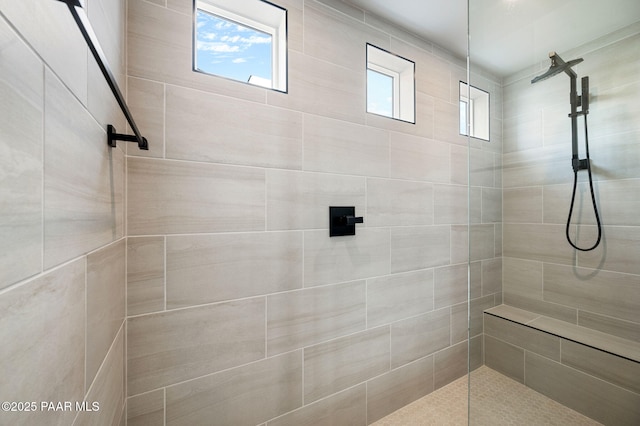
[
  {"x": 243, "y": 40},
  {"x": 390, "y": 85},
  {"x": 474, "y": 112}
]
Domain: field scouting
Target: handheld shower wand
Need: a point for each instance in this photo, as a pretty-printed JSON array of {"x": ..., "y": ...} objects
[{"x": 558, "y": 66}]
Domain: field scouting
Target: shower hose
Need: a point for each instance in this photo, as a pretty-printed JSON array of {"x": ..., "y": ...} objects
[{"x": 593, "y": 196}]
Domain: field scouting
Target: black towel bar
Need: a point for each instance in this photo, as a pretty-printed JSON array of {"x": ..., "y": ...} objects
[{"x": 79, "y": 15}]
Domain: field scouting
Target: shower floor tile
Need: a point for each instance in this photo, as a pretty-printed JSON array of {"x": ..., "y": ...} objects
[{"x": 496, "y": 400}]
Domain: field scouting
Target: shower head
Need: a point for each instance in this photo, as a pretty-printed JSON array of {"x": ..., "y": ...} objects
[{"x": 557, "y": 66}]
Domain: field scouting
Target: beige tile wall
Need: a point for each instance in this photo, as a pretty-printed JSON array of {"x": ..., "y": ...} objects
[
  {"x": 542, "y": 273},
  {"x": 62, "y": 217},
  {"x": 237, "y": 297}
]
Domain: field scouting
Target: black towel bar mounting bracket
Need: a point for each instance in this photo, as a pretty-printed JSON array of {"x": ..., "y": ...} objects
[
  {"x": 76, "y": 7},
  {"x": 112, "y": 137}
]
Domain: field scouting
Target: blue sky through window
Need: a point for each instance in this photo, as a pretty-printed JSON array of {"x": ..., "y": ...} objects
[
  {"x": 231, "y": 50},
  {"x": 379, "y": 93}
]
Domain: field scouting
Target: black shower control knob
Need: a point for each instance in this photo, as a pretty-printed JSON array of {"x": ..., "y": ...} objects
[
  {"x": 352, "y": 220},
  {"x": 342, "y": 221}
]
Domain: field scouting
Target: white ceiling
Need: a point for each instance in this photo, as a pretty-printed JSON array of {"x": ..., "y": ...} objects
[{"x": 507, "y": 35}]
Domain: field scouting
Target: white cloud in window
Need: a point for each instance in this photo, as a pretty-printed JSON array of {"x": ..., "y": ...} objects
[
  {"x": 239, "y": 60},
  {"x": 255, "y": 40},
  {"x": 217, "y": 47}
]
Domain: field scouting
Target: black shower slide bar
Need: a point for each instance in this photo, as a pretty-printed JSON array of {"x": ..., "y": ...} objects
[{"x": 79, "y": 15}]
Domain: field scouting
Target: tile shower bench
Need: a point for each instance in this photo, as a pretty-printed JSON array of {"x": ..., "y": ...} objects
[{"x": 589, "y": 371}]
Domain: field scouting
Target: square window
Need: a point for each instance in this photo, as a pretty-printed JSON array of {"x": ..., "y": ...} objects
[
  {"x": 243, "y": 40},
  {"x": 390, "y": 85},
  {"x": 474, "y": 112}
]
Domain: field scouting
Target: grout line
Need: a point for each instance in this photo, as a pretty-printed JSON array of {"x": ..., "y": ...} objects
[
  {"x": 164, "y": 120},
  {"x": 43, "y": 186},
  {"x": 303, "y": 382},
  {"x": 164, "y": 268}
]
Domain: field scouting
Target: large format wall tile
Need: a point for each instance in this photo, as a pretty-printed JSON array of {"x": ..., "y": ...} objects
[
  {"x": 616, "y": 156},
  {"x": 416, "y": 158},
  {"x": 434, "y": 76},
  {"x": 482, "y": 240},
  {"x": 617, "y": 202},
  {"x": 419, "y": 247},
  {"x": 614, "y": 369},
  {"x": 550, "y": 309},
  {"x": 343, "y": 408},
  {"x": 174, "y": 346},
  {"x": 242, "y": 132},
  {"x": 584, "y": 393},
  {"x": 607, "y": 293},
  {"x": 454, "y": 361},
  {"x": 301, "y": 200},
  {"x": 43, "y": 333},
  {"x": 492, "y": 205},
  {"x": 625, "y": 329},
  {"x": 335, "y": 146},
  {"x": 146, "y": 100},
  {"x": 301, "y": 318},
  {"x": 107, "y": 389},
  {"x": 492, "y": 276},
  {"x": 345, "y": 44},
  {"x": 523, "y": 132},
  {"x": 145, "y": 275},
  {"x": 459, "y": 165},
  {"x": 47, "y": 27},
  {"x": 105, "y": 302},
  {"x": 181, "y": 197},
  {"x": 146, "y": 409},
  {"x": 322, "y": 88},
  {"x": 339, "y": 364},
  {"x": 451, "y": 285},
  {"x": 522, "y": 277},
  {"x": 211, "y": 268},
  {"x": 417, "y": 337},
  {"x": 101, "y": 103},
  {"x": 394, "y": 390},
  {"x": 618, "y": 252},
  {"x": 399, "y": 203},
  {"x": 330, "y": 260},
  {"x": 399, "y": 296},
  {"x": 552, "y": 166},
  {"x": 246, "y": 395},
  {"x": 545, "y": 243},
  {"x": 451, "y": 204},
  {"x": 21, "y": 113},
  {"x": 482, "y": 168},
  {"x": 83, "y": 179},
  {"x": 504, "y": 357}
]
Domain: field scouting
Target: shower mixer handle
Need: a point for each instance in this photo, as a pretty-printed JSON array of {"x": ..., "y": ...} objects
[{"x": 351, "y": 220}]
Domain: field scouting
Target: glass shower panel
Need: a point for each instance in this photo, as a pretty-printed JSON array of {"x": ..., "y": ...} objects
[{"x": 548, "y": 322}]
